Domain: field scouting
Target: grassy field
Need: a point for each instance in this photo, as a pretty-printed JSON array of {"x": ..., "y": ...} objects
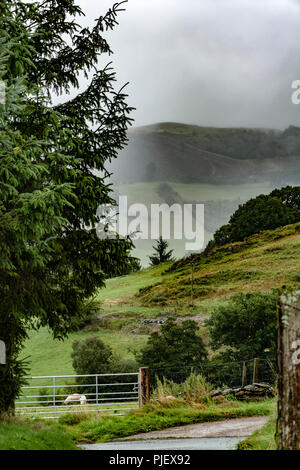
[
  {"x": 75, "y": 428},
  {"x": 146, "y": 193},
  {"x": 17, "y": 434},
  {"x": 52, "y": 357}
]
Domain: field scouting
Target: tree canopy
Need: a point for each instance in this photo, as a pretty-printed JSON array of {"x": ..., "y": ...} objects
[
  {"x": 173, "y": 349},
  {"x": 265, "y": 212},
  {"x": 246, "y": 325}
]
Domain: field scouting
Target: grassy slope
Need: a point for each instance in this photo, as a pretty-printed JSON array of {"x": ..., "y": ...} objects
[
  {"x": 263, "y": 439},
  {"x": 262, "y": 262},
  {"x": 267, "y": 260},
  {"x": 25, "y": 435},
  {"x": 52, "y": 357}
]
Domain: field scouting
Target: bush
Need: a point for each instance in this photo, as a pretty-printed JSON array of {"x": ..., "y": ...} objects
[
  {"x": 173, "y": 352},
  {"x": 92, "y": 356},
  {"x": 246, "y": 326},
  {"x": 197, "y": 389}
]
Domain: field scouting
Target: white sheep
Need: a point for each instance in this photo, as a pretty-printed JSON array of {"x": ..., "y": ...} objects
[{"x": 76, "y": 398}]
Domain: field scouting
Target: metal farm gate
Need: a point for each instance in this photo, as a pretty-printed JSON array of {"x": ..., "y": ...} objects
[{"x": 45, "y": 396}]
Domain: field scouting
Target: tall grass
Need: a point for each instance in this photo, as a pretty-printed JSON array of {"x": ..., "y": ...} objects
[
  {"x": 25, "y": 434},
  {"x": 194, "y": 390},
  {"x": 262, "y": 439}
]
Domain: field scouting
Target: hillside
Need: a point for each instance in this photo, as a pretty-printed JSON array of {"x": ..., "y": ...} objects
[
  {"x": 262, "y": 262},
  {"x": 192, "y": 154}
]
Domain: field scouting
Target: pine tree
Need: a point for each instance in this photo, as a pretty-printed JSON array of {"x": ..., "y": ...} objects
[
  {"x": 50, "y": 182},
  {"x": 161, "y": 254}
]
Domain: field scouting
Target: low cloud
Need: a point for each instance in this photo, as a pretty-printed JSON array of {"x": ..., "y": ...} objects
[{"x": 207, "y": 62}]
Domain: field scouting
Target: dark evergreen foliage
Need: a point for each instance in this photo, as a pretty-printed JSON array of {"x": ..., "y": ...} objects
[
  {"x": 161, "y": 254},
  {"x": 52, "y": 171}
]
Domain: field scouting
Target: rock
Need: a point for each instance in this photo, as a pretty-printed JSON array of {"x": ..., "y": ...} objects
[
  {"x": 248, "y": 392},
  {"x": 227, "y": 391}
]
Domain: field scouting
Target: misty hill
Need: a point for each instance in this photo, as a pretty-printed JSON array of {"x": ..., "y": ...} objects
[{"x": 193, "y": 154}]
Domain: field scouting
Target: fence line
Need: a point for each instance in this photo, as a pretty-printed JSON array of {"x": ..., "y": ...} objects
[
  {"x": 232, "y": 374},
  {"x": 107, "y": 393},
  {"x": 117, "y": 393}
]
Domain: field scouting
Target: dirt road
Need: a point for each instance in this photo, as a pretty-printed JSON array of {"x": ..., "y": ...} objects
[
  {"x": 239, "y": 427},
  {"x": 217, "y": 435}
]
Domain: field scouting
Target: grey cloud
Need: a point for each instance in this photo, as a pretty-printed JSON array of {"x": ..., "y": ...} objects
[{"x": 207, "y": 62}]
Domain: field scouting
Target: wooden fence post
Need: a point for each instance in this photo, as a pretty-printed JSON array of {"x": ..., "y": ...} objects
[
  {"x": 255, "y": 370},
  {"x": 244, "y": 373},
  {"x": 144, "y": 394},
  {"x": 288, "y": 367}
]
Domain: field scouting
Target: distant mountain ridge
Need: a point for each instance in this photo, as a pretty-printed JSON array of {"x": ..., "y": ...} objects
[{"x": 193, "y": 154}]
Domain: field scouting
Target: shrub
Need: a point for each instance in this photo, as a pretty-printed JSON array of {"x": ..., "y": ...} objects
[
  {"x": 172, "y": 352},
  {"x": 195, "y": 389},
  {"x": 247, "y": 325},
  {"x": 92, "y": 356}
]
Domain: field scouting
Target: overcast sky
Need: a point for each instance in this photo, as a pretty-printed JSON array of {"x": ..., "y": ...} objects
[{"x": 207, "y": 62}]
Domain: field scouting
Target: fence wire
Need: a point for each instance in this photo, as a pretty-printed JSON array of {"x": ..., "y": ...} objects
[{"x": 230, "y": 374}]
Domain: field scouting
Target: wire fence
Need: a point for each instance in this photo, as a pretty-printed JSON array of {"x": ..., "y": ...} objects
[
  {"x": 229, "y": 374},
  {"x": 116, "y": 394}
]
